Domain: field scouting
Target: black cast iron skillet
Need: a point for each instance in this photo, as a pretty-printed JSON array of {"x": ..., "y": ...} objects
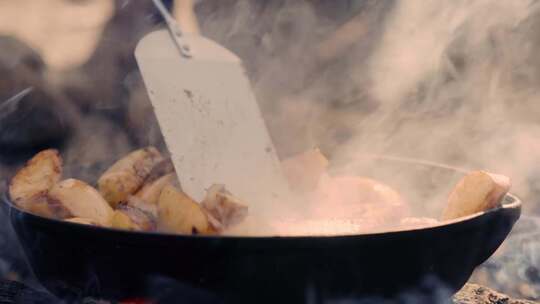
[{"x": 73, "y": 260}]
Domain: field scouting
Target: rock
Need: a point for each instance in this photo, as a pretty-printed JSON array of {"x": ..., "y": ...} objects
[{"x": 476, "y": 294}]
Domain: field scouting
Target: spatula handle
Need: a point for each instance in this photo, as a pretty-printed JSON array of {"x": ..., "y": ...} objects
[
  {"x": 184, "y": 14},
  {"x": 174, "y": 29}
]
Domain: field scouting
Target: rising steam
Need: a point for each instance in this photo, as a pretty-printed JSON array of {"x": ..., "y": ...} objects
[
  {"x": 456, "y": 82},
  {"x": 453, "y": 82}
]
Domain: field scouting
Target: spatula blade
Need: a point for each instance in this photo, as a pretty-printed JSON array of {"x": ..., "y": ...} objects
[{"x": 210, "y": 119}]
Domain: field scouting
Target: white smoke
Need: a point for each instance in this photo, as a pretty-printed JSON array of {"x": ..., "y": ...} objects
[{"x": 453, "y": 82}]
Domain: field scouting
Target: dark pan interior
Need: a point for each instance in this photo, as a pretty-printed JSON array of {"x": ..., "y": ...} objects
[{"x": 74, "y": 260}]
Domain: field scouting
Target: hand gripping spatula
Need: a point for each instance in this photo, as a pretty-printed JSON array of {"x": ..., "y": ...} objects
[{"x": 209, "y": 117}]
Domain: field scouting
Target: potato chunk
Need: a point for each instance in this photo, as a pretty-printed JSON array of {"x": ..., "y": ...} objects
[
  {"x": 304, "y": 170},
  {"x": 75, "y": 198},
  {"x": 127, "y": 175},
  {"x": 161, "y": 168},
  {"x": 477, "y": 191},
  {"x": 150, "y": 192},
  {"x": 120, "y": 220},
  {"x": 224, "y": 207},
  {"x": 28, "y": 188},
  {"x": 178, "y": 213},
  {"x": 80, "y": 220},
  {"x": 130, "y": 218},
  {"x": 138, "y": 203}
]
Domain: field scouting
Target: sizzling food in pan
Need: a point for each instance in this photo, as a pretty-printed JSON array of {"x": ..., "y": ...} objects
[{"x": 140, "y": 192}]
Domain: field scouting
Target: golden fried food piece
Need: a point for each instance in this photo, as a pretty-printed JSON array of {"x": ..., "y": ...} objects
[
  {"x": 75, "y": 198},
  {"x": 28, "y": 188},
  {"x": 178, "y": 213},
  {"x": 131, "y": 218},
  {"x": 150, "y": 191},
  {"x": 80, "y": 220},
  {"x": 477, "y": 191},
  {"x": 223, "y": 207},
  {"x": 120, "y": 220},
  {"x": 161, "y": 168},
  {"x": 151, "y": 209},
  {"x": 127, "y": 175}
]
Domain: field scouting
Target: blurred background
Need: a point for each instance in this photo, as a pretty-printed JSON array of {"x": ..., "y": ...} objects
[{"x": 453, "y": 82}]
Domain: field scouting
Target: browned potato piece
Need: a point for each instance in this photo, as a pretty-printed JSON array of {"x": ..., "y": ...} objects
[
  {"x": 127, "y": 175},
  {"x": 80, "y": 220},
  {"x": 29, "y": 187},
  {"x": 477, "y": 191},
  {"x": 120, "y": 220},
  {"x": 75, "y": 198},
  {"x": 138, "y": 203},
  {"x": 163, "y": 167},
  {"x": 223, "y": 206},
  {"x": 214, "y": 226},
  {"x": 304, "y": 170},
  {"x": 40, "y": 207},
  {"x": 178, "y": 213},
  {"x": 150, "y": 192},
  {"x": 130, "y": 218}
]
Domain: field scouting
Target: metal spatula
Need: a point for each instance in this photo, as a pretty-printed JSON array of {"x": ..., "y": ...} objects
[{"x": 208, "y": 115}]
